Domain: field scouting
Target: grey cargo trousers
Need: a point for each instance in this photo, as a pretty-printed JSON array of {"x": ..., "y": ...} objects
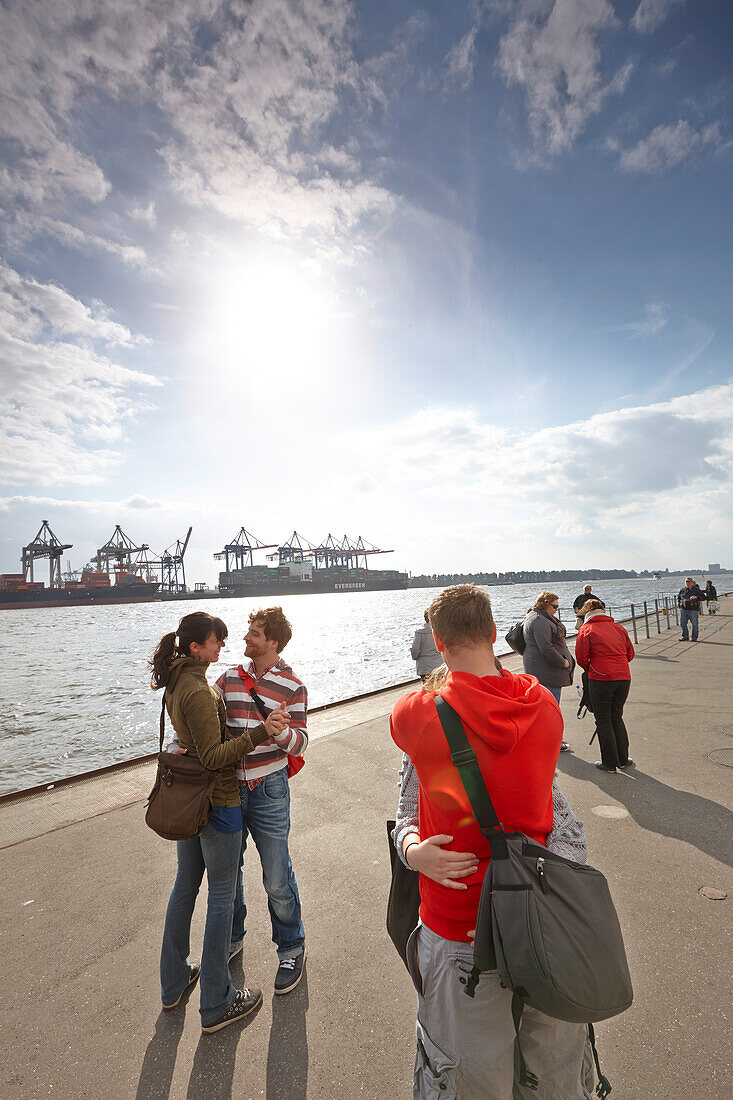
[{"x": 465, "y": 1046}]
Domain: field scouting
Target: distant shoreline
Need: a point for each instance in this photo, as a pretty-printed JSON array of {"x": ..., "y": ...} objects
[{"x": 551, "y": 576}]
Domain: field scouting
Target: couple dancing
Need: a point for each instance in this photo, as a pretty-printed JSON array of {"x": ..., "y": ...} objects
[{"x": 252, "y": 726}]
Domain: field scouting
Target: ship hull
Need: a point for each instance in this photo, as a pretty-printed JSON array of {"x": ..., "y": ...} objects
[
  {"x": 78, "y": 597},
  {"x": 319, "y": 586}
]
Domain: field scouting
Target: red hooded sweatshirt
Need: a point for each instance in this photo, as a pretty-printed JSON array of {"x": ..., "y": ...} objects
[{"x": 515, "y": 728}]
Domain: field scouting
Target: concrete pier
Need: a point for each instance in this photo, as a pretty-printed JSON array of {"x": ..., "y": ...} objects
[{"x": 85, "y": 885}]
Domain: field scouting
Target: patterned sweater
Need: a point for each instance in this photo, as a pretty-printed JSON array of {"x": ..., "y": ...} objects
[
  {"x": 277, "y": 685},
  {"x": 566, "y": 839}
]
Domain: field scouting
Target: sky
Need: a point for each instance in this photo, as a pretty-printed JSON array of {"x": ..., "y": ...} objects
[{"x": 453, "y": 277}]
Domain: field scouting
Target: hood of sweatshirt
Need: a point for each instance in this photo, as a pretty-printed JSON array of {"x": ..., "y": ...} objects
[
  {"x": 178, "y": 664},
  {"x": 497, "y": 709}
]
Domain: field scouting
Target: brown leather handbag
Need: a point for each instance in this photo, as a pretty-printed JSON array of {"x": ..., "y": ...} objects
[{"x": 179, "y": 803}]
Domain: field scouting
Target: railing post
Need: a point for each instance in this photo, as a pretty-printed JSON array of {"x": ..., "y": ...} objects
[
  {"x": 668, "y": 612},
  {"x": 646, "y": 619},
  {"x": 676, "y": 613},
  {"x": 656, "y": 612},
  {"x": 633, "y": 625}
]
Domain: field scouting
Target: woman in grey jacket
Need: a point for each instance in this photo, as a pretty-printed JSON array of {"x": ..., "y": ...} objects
[
  {"x": 423, "y": 651},
  {"x": 546, "y": 654}
]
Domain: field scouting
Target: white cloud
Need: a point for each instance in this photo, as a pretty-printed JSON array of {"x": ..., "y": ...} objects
[
  {"x": 555, "y": 58},
  {"x": 460, "y": 62},
  {"x": 652, "y": 13},
  {"x": 64, "y": 401},
  {"x": 656, "y": 317},
  {"x": 242, "y": 103},
  {"x": 665, "y": 147},
  {"x": 574, "y": 482}
]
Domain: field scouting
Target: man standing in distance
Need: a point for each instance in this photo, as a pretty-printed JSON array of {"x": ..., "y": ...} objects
[
  {"x": 585, "y": 595},
  {"x": 689, "y": 599},
  {"x": 263, "y": 783}
]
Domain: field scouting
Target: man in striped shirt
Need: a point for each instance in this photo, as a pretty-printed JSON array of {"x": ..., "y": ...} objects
[{"x": 263, "y": 783}]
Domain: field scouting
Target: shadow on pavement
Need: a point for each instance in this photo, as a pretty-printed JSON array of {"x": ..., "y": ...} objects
[
  {"x": 212, "y": 1072},
  {"x": 159, "y": 1062},
  {"x": 287, "y": 1053},
  {"x": 661, "y": 809}
]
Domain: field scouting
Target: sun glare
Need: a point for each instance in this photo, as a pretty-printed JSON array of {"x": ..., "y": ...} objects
[{"x": 272, "y": 320}]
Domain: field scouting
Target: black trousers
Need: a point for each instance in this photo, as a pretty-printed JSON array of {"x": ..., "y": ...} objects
[{"x": 607, "y": 698}]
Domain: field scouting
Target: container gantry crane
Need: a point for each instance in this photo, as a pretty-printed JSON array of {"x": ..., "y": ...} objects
[
  {"x": 240, "y": 549},
  {"x": 45, "y": 545}
]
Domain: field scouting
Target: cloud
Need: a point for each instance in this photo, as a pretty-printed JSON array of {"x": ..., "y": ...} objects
[
  {"x": 64, "y": 400},
  {"x": 652, "y": 13},
  {"x": 666, "y": 147},
  {"x": 590, "y": 471},
  {"x": 241, "y": 105},
  {"x": 557, "y": 62},
  {"x": 460, "y": 61},
  {"x": 656, "y": 317}
]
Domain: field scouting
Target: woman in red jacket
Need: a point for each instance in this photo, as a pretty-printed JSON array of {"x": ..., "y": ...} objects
[{"x": 604, "y": 649}]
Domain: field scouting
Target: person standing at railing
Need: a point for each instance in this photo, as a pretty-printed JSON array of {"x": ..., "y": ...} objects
[
  {"x": 689, "y": 600},
  {"x": 711, "y": 595},
  {"x": 585, "y": 595},
  {"x": 423, "y": 651},
  {"x": 603, "y": 648}
]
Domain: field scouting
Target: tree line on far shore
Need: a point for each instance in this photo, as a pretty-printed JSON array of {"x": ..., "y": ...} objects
[{"x": 538, "y": 576}]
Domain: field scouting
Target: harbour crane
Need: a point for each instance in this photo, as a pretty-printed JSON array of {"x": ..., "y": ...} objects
[
  {"x": 172, "y": 570},
  {"x": 45, "y": 545},
  {"x": 120, "y": 550},
  {"x": 240, "y": 549},
  {"x": 351, "y": 553}
]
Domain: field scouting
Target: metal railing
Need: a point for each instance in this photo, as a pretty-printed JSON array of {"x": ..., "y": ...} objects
[{"x": 661, "y": 613}]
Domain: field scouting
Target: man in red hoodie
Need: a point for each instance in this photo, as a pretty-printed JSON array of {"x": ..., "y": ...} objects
[{"x": 466, "y": 1045}]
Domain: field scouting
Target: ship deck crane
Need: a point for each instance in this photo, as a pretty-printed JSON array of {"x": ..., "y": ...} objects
[
  {"x": 240, "y": 549},
  {"x": 45, "y": 545}
]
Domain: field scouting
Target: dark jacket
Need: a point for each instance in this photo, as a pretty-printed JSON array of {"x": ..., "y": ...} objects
[
  {"x": 711, "y": 592},
  {"x": 199, "y": 717},
  {"x": 694, "y": 594},
  {"x": 546, "y": 650},
  {"x": 581, "y": 599}
]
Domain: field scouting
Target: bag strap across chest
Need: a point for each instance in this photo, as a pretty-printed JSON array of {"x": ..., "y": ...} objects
[{"x": 464, "y": 759}]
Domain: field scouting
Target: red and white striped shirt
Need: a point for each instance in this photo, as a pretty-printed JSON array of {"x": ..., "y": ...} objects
[{"x": 278, "y": 684}]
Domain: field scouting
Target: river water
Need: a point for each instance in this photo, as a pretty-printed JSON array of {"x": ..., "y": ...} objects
[{"x": 75, "y": 694}]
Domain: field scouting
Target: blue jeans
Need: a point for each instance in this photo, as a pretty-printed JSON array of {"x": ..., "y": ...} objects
[
  {"x": 691, "y": 617},
  {"x": 555, "y": 692},
  {"x": 217, "y": 854},
  {"x": 266, "y": 815}
]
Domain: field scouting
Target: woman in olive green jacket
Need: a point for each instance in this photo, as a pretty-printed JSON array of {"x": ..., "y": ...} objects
[{"x": 198, "y": 715}]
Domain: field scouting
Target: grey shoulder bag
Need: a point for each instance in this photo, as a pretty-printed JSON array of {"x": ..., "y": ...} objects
[{"x": 546, "y": 924}]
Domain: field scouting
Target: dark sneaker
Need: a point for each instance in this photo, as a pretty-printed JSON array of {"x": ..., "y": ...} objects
[
  {"x": 234, "y": 948},
  {"x": 245, "y": 1002},
  {"x": 289, "y": 973},
  {"x": 194, "y": 972},
  {"x": 629, "y": 764},
  {"x": 564, "y": 747},
  {"x": 604, "y": 767}
]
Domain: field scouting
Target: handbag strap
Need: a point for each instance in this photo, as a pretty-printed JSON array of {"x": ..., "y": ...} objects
[
  {"x": 162, "y": 721},
  {"x": 464, "y": 759}
]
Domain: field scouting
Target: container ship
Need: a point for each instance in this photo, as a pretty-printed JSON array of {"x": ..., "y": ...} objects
[
  {"x": 91, "y": 588},
  {"x": 301, "y": 567},
  {"x": 331, "y": 566}
]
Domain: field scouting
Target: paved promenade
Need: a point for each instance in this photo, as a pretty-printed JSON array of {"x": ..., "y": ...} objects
[{"x": 85, "y": 884}]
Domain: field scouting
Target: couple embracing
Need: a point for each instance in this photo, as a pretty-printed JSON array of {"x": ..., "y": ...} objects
[{"x": 251, "y": 725}]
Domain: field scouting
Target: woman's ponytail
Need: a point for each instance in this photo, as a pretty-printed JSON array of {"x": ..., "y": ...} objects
[
  {"x": 161, "y": 662},
  {"x": 195, "y": 627}
]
